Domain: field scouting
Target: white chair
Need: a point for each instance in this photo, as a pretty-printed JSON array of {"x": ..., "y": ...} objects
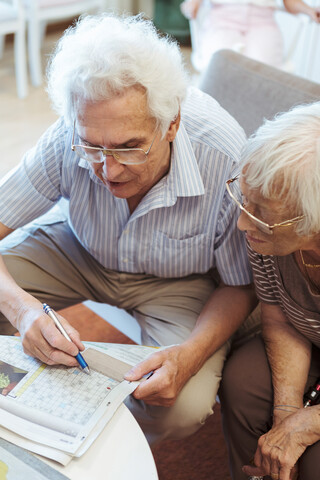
[
  {"x": 41, "y": 12},
  {"x": 12, "y": 20}
]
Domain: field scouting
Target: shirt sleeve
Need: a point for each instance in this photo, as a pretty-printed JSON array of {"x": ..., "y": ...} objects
[
  {"x": 265, "y": 280},
  {"x": 230, "y": 247},
  {"x": 33, "y": 187}
]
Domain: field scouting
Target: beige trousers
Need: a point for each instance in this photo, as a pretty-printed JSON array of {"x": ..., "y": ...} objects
[{"x": 49, "y": 263}]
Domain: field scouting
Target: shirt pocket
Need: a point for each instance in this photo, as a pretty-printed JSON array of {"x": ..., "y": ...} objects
[{"x": 171, "y": 257}]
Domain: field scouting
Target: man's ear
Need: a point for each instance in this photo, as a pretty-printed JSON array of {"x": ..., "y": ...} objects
[{"x": 173, "y": 128}]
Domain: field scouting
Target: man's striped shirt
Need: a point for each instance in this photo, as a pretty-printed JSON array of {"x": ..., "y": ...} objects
[{"x": 185, "y": 224}]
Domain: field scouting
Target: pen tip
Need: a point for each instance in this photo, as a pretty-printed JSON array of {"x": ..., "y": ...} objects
[{"x": 87, "y": 370}]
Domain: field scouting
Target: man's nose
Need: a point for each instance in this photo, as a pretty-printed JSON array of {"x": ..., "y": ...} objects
[{"x": 112, "y": 167}]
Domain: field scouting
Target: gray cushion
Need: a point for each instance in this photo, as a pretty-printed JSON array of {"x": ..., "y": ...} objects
[{"x": 251, "y": 91}]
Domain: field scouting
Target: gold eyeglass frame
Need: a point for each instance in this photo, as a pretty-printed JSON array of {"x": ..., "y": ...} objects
[{"x": 264, "y": 227}]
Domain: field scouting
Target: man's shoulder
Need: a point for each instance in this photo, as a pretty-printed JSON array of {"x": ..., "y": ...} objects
[
  {"x": 57, "y": 129},
  {"x": 210, "y": 125}
]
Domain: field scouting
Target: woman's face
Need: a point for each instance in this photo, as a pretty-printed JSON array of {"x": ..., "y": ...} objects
[{"x": 284, "y": 239}]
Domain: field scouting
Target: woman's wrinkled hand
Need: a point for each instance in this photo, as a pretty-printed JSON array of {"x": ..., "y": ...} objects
[{"x": 279, "y": 450}]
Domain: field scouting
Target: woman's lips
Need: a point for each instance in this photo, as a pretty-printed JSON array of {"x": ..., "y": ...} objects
[{"x": 253, "y": 239}]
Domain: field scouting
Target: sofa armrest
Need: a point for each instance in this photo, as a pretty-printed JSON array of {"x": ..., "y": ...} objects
[{"x": 252, "y": 91}]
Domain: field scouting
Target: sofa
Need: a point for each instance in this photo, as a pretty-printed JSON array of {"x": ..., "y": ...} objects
[{"x": 252, "y": 91}]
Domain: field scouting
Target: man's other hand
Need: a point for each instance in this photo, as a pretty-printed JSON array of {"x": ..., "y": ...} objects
[{"x": 171, "y": 369}]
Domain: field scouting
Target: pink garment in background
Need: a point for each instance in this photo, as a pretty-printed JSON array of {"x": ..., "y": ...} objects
[{"x": 248, "y": 29}]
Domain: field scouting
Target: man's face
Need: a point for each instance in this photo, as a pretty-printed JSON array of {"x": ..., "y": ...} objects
[{"x": 124, "y": 122}]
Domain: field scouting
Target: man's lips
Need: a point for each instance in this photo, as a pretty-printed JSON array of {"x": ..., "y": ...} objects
[
  {"x": 253, "y": 239},
  {"x": 115, "y": 184}
]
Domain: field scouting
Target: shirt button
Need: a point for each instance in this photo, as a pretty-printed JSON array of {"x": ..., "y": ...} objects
[
  {"x": 126, "y": 231},
  {"x": 125, "y": 260}
]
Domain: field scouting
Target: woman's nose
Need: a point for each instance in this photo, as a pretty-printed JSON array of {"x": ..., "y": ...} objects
[{"x": 244, "y": 223}]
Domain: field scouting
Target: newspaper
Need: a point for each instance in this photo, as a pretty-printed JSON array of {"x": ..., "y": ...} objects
[{"x": 57, "y": 411}]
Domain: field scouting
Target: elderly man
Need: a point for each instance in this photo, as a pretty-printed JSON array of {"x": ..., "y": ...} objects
[
  {"x": 265, "y": 421},
  {"x": 142, "y": 162}
]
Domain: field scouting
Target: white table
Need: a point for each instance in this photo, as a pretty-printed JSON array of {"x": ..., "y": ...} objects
[{"x": 121, "y": 452}]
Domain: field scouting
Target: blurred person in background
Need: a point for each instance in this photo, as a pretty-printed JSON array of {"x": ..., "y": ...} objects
[{"x": 248, "y": 27}]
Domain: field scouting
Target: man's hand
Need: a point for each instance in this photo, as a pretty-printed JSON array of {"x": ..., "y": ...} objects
[
  {"x": 41, "y": 338},
  {"x": 173, "y": 366},
  {"x": 171, "y": 369},
  {"x": 279, "y": 450}
]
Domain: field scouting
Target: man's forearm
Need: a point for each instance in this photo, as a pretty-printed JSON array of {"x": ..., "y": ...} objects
[
  {"x": 12, "y": 297},
  {"x": 289, "y": 355},
  {"x": 223, "y": 314}
]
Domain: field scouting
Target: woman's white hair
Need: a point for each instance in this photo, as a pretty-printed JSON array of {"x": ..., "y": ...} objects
[
  {"x": 282, "y": 159},
  {"x": 101, "y": 56}
]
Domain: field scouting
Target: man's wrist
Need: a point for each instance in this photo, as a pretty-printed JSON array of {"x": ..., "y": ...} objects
[
  {"x": 15, "y": 304},
  {"x": 193, "y": 354}
]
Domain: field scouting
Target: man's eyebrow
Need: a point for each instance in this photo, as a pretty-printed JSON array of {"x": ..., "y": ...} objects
[{"x": 138, "y": 140}]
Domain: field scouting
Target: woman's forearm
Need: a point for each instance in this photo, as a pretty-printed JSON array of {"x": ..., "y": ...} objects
[{"x": 289, "y": 355}]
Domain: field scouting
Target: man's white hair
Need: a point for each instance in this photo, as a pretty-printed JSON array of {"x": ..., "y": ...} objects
[
  {"x": 101, "y": 56},
  {"x": 282, "y": 159}
]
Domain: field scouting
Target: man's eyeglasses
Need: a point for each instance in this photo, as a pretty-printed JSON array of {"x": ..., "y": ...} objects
[
  {"x": 125, "y": 156},
  {"x": 264, "y": 227}
]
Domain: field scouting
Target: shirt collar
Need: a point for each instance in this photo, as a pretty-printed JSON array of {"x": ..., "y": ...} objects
[{"x": 184, "y": 178}]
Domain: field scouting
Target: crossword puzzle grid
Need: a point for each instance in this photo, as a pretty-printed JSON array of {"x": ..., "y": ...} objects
[
  {"x": 12, "y": 353},
  {"x": 68, "y": 394},
  {"x": 65, "y": 393}
]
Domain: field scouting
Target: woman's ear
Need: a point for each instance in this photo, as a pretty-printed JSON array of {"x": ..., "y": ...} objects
[{"x": 173, "y": 128}]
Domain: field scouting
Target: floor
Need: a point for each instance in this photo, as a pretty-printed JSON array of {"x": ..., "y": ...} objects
[{"x": 21, "y": 121}]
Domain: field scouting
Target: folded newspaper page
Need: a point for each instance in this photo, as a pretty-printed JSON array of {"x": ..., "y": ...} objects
[{"x": 57, "y": 411}]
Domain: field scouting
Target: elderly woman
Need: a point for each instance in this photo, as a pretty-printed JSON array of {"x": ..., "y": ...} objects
[{"x": 268, "y": 431}]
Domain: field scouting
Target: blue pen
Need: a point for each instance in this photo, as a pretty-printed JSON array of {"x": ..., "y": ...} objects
[{"x": 83, "y": 364}]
